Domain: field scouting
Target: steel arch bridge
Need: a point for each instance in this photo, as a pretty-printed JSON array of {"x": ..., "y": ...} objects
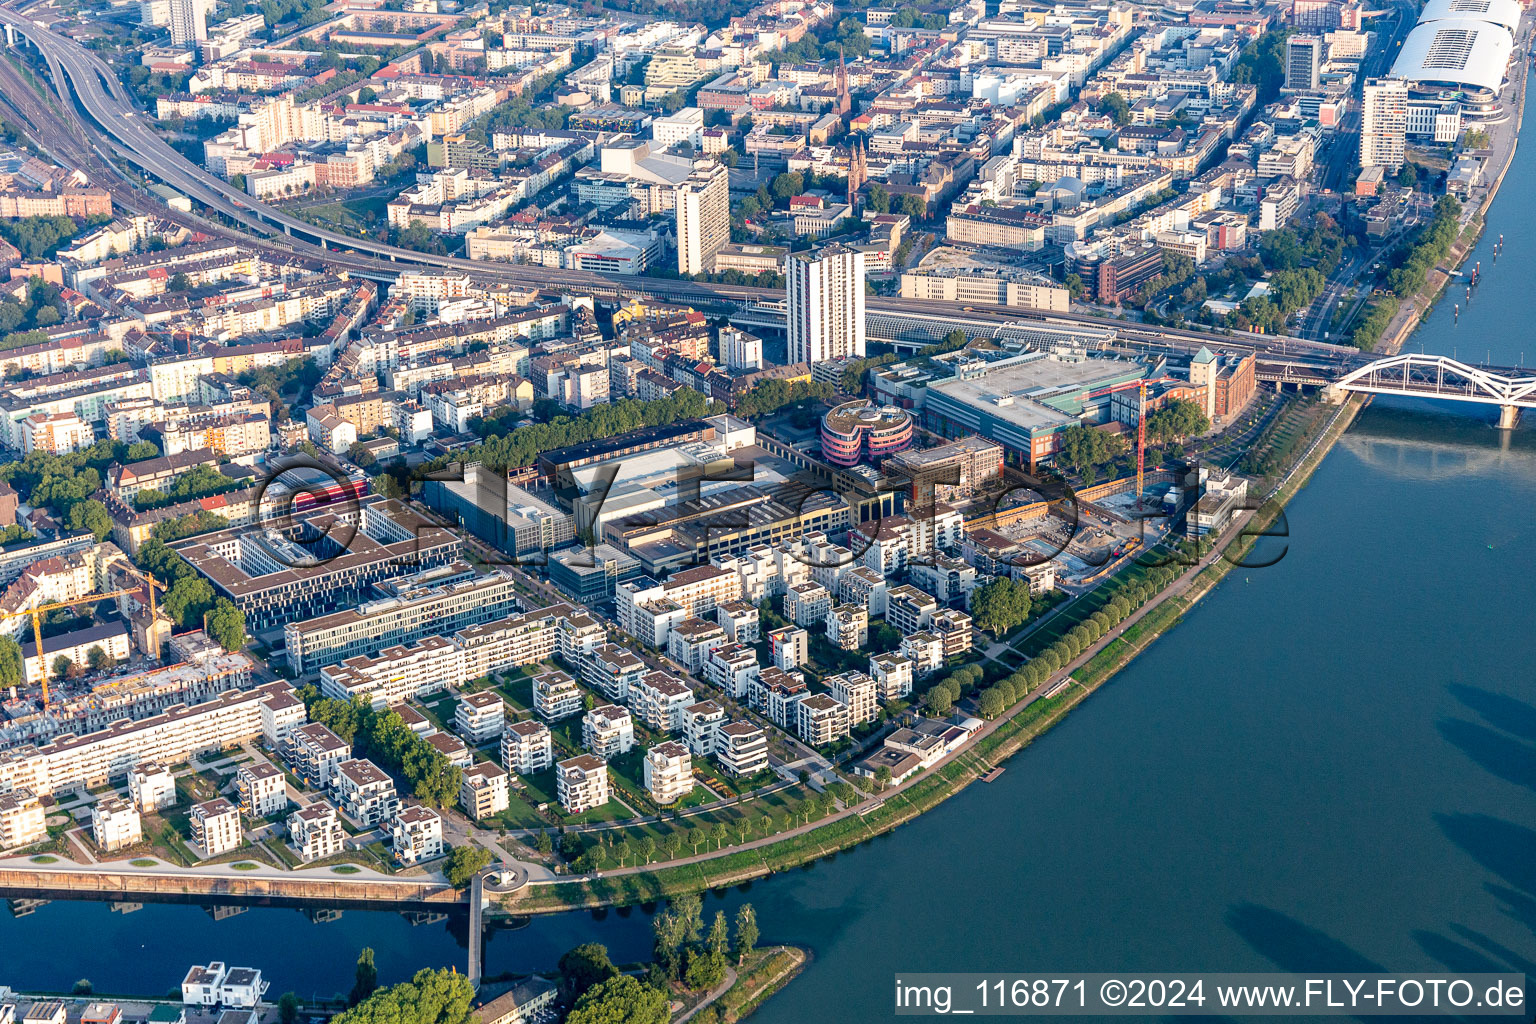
[{"x": 1427, "y": 376}]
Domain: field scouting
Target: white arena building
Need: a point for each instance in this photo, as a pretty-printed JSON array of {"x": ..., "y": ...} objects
[{"x": 1461, "y": 48}]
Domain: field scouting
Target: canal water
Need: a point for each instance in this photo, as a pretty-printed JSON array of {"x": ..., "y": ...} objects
[{"x": 1330, "y": 765}]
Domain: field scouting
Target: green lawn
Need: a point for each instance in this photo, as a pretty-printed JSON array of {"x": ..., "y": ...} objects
[{"x": 518, "y": 690}]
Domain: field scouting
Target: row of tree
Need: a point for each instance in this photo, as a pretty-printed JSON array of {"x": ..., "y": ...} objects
[
  {"x": 1432, "y": 244},
  {"x": 518, "y": 448},
  {"x": 942, "y": 696},
  {"x": 1006, "y": 692}
]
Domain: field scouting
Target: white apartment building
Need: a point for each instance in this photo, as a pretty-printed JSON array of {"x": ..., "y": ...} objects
[
  {"x": 742, "y": 749},
  {"x": 954, "y": 626},
  {"x": 892, "y": 674},
  {"x": 281, "y": 713},
  {"x": 262, "y": 789},
  {"x": 848, "y": 626},
  {"x": 483, "y": 792},
  {"x": 925, "y": 650},
  {"x": 821, "y": 720},
  {"x": 685, "y": 126},
  {"x": 608, "y": 731},
  {"x": 741, "y": 621},
  {"x": 909, "y": 609},
  {"x": 668, "y": 772},
  {"x": 732, "y": 668},
  {"x": 55, "y": 433},
  {"x": 690, "y": 641},
  {"x": 826, "y": 304},
  {"x": 395, "y": 673},
  {"x": 215, "y": 827},
  {"x": 527, "y": 747},
  {"x": 556, "y": 696},
  {"x": 510, "y": 642},
  {"x": 22, "y": 821},
  {"x": 315, "y": 752},
  {"x": 416, "y": 835},
  {"x": 315, "y": 831},
  {"x": 856, "y": 691},
  {"x": 807, "y": 604},
  {"x": 703, "y": 215},
  {"x": 614, "y": 670},
  {"x": 659, "y": 700},
  {"x": 1384, "y": 123},
  {"x": 94, "y": 759},
  {"x": 189, "y": 22},
  {"x": 578, "y": 637},
  {"x": 696, "y": 591},
  {"x": 864, "y": 586},
  {"x": 364, "y": 792},
  {"x": 480, "y": 717},
  {"x": 790, "y": 647},
  {"x": 115, "y": 824},
  {"x": 220, "y": 985},
  {"x": 701, "y": 727},
  {"x": 152, "y": 787},
  {"x": 581, "y": 783}
]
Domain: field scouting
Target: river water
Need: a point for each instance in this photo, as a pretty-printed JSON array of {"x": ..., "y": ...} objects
[{"x": 1330, "y": 765}]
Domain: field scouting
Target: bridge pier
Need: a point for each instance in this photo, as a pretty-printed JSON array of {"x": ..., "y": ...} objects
[
  {"x": 10, "y": 35},
  {"x": 1509, "y": 417}
]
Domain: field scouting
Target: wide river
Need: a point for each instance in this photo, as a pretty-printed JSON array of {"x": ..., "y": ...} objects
[{"x": 1329, "y": 765}]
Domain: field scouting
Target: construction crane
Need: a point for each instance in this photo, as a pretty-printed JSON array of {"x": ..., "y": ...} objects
[
  {"x": 1141, "y": 427},
  {"x": 1141, "y": 446},
  {"x": 38, "y": 613}
]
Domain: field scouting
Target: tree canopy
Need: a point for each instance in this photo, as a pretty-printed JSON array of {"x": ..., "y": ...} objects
[
  {"x": 430, "y": 997},
  {"x": 620, "y": 1000},
  {"x": 1001, "y": 605}
]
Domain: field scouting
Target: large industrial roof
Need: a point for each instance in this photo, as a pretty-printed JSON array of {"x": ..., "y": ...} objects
[
  {"x": 1456, "y": 51},
  {"x": 1499, "y": 12}
]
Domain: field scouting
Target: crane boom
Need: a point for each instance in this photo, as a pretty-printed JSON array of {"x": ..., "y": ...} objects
[{"x": 37, "y": 621}]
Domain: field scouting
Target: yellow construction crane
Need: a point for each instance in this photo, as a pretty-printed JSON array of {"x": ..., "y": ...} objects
[{"x": 38, "y": 612}]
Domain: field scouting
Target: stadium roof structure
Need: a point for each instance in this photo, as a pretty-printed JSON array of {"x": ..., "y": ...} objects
[
  {"x": 1504, "y": 13},
  {"x": 1460, "y": 52}
]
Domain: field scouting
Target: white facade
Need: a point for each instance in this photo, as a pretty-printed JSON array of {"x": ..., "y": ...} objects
[
  {"x": 215, "y": 827},
  {"x": 527, "y": 747},
  {"x": 480, "y": 717},
  {"x": 152, "y": 787},
  {"x": 703, "y": 216},
  {"x": 416, "y": 835},
  {"x": 364, "y": 792},
  {"x": 743, "y": 749},
  {"x": 668, "y": 772},
  {"x": 581, "y": 783},
  {"x": 1384, "y": 123},
  {"x": 556, "y": 696},
  {"x": 262, "y": 789},
  {"x": 483, "y": 793},
  {"x": 315, "y": 831},
  {"x": 701, "y": 728},
  {"x": 220, "y": 985},
  {"x": 22, "y": 821},
  {"x": 659, "y": 701},
  {"x": 608, "y": 731},
  {"x": 826, "y": 304},
  {"x": 115, "y": 824}
]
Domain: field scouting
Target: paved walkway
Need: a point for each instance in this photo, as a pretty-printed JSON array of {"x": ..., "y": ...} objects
[{"x": 718, "y": 991}]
